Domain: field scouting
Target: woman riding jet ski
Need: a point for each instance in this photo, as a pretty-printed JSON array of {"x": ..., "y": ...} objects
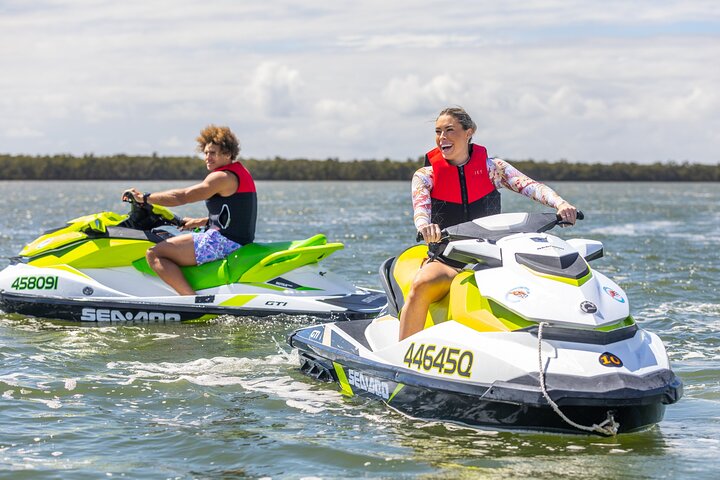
[{"x": 529, "y": 337}]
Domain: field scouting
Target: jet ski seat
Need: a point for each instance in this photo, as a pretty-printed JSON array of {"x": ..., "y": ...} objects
[
  {"x": 463, "y": 304},
  {"x": 254, "y": 262}
]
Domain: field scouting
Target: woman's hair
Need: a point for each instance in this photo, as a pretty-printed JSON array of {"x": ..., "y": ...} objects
[
  {"x": 459, "y": 114},
  {"x": 220, "y": 136}
]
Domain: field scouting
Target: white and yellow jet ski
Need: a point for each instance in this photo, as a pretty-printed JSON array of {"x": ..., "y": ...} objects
[{"x": 529, "y": 337}]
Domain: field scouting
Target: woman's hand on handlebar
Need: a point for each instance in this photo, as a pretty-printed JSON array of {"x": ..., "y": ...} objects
[
  {"x": 430, "y": 233},
  {"x": 567, "y": 214}
]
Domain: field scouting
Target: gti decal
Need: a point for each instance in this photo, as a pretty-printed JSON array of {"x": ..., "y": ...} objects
[
  {"x": 275, "y": 303},
  {"x": 517, "y": 294},
  {"x": 370, "y": 384},
  {"x": 614, "y": 295},
  {"x": 111, "y": 315}
]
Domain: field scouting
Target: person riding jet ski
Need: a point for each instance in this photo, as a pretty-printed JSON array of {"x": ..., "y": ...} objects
[
  {"x": 459, "y": 183},
  {"x": 231, "y": 200}
]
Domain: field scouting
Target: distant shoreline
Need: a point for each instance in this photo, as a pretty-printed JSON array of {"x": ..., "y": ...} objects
[{"x": 124, "y": 167}]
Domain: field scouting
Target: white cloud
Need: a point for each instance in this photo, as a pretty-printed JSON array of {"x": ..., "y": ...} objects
[
  {"x": 23, "y": 133},
  {"x": 275, "y": 89},
  {"x": 544, "y": 79},
  {"x": 411, "y": 96}
]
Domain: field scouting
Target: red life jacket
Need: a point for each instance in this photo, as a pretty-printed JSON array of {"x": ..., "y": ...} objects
[
  {"x": 235, "y": 216},
  {"x": 463, "y": 193}
]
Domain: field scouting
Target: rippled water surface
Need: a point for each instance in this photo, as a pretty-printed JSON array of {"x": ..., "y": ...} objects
[{"x": 225, "y": 399}]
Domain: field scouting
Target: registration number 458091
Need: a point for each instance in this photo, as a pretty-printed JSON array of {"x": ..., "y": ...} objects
[
  {"x": 444, "y": 360},
  {"x": 49, "y": 282}
]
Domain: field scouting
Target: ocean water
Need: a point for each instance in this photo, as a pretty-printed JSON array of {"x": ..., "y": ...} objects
[{"x": 225, "y": 399}]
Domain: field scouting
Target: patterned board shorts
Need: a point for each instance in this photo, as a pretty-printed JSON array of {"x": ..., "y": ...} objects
[{"x": 212, "y": 245}]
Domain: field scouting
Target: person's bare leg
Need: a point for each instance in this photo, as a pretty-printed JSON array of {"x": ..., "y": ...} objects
[
  {"x": 166, "y": 257},
  {"x": 431, "y": 283}
]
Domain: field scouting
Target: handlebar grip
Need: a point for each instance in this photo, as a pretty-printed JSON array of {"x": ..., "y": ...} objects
[{"x": 578, "y": 215}]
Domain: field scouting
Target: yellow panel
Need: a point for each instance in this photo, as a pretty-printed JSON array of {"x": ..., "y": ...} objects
[
  {"x": 470, "y": 308},
  {"x": 98, "y": 253},
  {"x": 237, "y": 300},
  {"x": 407, "y": 265}
]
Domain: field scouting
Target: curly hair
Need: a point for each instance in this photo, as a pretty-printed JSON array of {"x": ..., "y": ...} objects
[{"x": 220, "y": 136}]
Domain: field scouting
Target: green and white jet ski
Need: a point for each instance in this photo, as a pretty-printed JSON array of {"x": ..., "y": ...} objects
[
  {"x": 529, "y": 337},
  {"x": 94, "y": 269}
]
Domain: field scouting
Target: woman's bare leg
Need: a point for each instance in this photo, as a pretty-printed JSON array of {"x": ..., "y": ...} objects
[
  {"x": 166, "y": 258},
  {"x": 431, "y": 283}
]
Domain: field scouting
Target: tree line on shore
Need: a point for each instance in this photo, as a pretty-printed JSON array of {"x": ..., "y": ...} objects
[{"x": 154, "y": 167}]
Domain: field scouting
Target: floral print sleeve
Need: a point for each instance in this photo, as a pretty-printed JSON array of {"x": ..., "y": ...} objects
[
  {"x": 422, "y": 184},
  {"x": 505, "y": 175}
]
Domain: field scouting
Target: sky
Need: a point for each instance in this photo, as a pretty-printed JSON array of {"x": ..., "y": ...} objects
[{"x": 583, "y": 81}]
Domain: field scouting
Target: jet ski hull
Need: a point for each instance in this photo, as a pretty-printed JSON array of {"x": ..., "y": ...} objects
[
  {"x": 634, "y": 402},
  {"x": 64, "y": 284},
  {"x": 188, "y": 309}
]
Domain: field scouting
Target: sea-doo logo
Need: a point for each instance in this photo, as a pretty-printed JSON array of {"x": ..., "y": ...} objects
[
  {"x": 550, "y": 246},
  {"x": 88, "y": 291},
  {"x": 283, "y": 283},
  {"x": 588, "y": 307},
  {"x": 109, "y": 315},
  {"x": 370, "y": 384},
  {"x": 372, "y": 298}
]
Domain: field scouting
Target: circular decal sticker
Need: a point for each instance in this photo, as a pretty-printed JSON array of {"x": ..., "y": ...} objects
[
  {"x": 607, "y": 359},
  {"x": 517, "y": 294},
  {"x": 615, "y": 295},
  {"x": 588, "y": 307}
]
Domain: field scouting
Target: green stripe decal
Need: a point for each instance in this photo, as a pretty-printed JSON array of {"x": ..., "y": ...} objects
[
  {"x": 396, "y": 391},
  {"x": 342, "y": 379}
]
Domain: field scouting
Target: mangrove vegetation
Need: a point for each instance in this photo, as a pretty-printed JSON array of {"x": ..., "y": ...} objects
[{"x": 154, "y": 167}]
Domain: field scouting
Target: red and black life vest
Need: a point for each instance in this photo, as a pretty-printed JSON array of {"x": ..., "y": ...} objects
[
  {"x": 463, "y": 193},
  {"x": 235, "y": 216}
]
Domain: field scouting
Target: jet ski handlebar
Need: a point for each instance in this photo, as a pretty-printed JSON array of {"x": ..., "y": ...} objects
[
  {"x": 535, "y": 222},
  {"x": 579, "y": 216},
  {"x": 145, "y": 216}
]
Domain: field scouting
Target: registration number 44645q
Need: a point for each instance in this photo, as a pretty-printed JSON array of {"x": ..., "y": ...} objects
[{"x": 48, "y": 282}]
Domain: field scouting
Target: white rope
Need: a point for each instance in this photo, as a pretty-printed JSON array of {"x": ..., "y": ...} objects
[{"x": 608, "y": 427}]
